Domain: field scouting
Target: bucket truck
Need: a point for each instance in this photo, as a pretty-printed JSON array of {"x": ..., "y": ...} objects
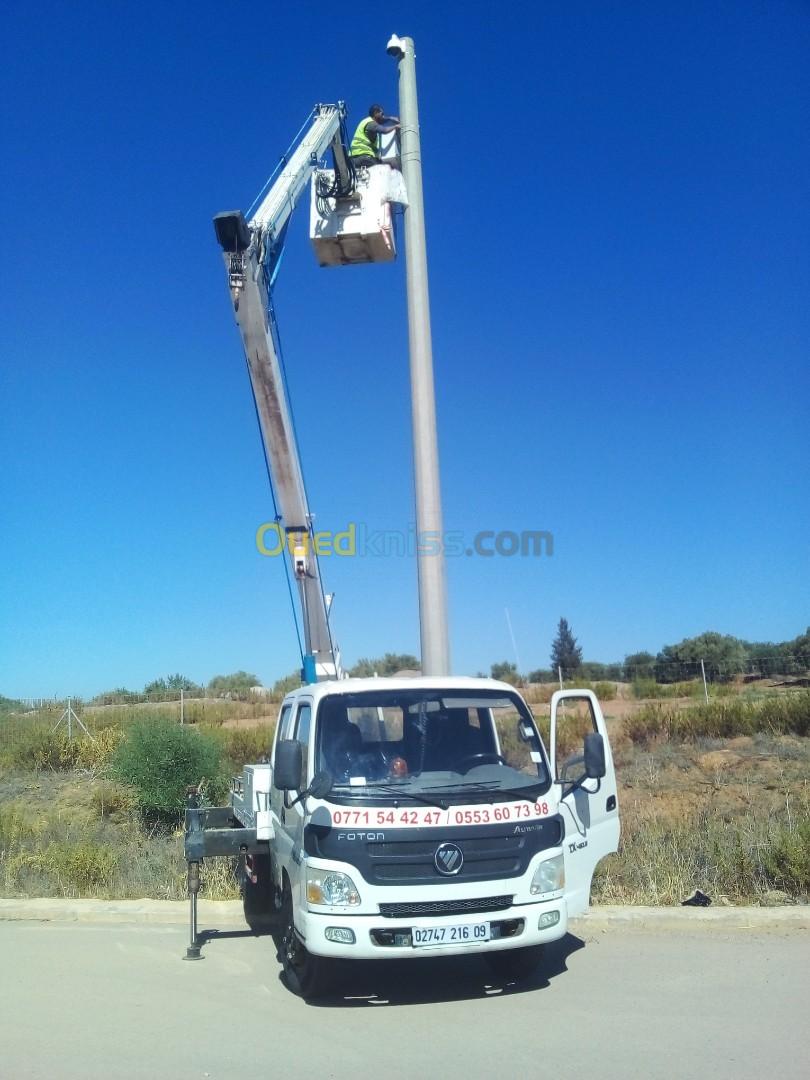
[{"x": 393, "y": 817}]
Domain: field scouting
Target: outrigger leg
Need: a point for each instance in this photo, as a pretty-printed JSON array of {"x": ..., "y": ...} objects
[{"x": 194, "y": 946}]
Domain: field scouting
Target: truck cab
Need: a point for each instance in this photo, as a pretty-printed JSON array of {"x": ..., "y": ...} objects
[{"x": 424, "y": 816}]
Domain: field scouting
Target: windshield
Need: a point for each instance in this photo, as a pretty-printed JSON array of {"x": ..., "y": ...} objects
[{"x": 437, "y": 743}]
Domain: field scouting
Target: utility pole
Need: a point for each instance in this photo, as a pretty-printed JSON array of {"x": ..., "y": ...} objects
[{"x": 434, "y": 643}]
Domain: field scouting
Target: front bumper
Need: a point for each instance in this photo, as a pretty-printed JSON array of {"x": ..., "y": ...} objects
[{"x": 512, "y": 928}]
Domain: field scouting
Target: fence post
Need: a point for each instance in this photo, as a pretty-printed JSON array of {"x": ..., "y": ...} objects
[
  {"x": 705, "y": 687},
  {"x": 182, "y": 703},
  {"x": 559, "y": 672}
]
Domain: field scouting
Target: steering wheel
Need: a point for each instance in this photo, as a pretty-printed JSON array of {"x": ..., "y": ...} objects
[{"x": 479, "y": 759}]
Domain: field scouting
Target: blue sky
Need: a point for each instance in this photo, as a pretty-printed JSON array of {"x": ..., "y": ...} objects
[{"x": 617, "y": 216}]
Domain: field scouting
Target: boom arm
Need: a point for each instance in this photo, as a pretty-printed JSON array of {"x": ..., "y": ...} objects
[{"x": 251, "y": 251}]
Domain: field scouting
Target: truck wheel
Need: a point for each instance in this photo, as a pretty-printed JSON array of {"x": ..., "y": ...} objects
[
  {"x": 515, "y": 963},
  {"x": 306, "y": 975},
  {"x": 257, "y": 898}
]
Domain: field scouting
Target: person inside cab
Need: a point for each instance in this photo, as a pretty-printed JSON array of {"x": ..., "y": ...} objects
[{"x": 342, "y": 746}]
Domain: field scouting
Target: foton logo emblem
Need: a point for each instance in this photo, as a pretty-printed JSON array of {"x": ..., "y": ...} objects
[{"x": 448, "y": 859}]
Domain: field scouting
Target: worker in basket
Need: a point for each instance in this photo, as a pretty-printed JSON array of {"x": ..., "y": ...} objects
[{"x": 363, "y": 150}]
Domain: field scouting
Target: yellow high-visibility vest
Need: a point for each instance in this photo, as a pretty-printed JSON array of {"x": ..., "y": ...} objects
[{"x": 362, "y": 146}]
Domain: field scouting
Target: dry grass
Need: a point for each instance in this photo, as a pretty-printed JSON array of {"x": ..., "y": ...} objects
[
  {"x": 730, "y": 817},
  {"x": 788, "y": 714},
  {"x": 78, "y": 837},
  {"x": 711, "y": 797}
]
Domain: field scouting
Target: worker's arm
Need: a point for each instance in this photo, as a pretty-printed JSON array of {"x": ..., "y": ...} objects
[{"x": 373, "y": 128}]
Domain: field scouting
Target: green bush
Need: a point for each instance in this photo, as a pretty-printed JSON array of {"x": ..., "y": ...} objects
[
  {"x": 605, "y": 691},
  {"x": 16, "y": 826},
  {"x": 82, "y": 867},
  {"x": 109, "y": 800},
  {"x": 787, "y": 859},
  {"x": 661, "y": 861},
  {"x": 723, "y": 719},
  {"x": 161, "y": 760},
  {"x": 38, "y": 748},
  {"x": 644, "y": 688},
  {"x": 647, "y": 725},
  {"x": 245, "y": 746},
  {"x": 649, "y": 688}
]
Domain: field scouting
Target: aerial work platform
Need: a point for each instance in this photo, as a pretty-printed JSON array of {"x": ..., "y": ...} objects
[{"x": 358, "y": 228}]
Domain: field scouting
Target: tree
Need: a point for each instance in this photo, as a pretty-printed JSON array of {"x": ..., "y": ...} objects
[
  {"x": 639, "y": 665},
  {"x": 389, "y": 664},
  {"x": 282, "y": 686},
  {"x": 117, "y": 696},
  {"x": 722, "y": 655},
  {"x": 596, "y": 671},
  {"x": 179, "y": 682},
  {"x": 541, "y": 675},
  {"x": 505, "y": 672},
  {"x": 237, "y": 683},
  {"x": 797, "y": 653},
  {"x": 565, "y": 652},
  {"x": 172, "y": 684}
]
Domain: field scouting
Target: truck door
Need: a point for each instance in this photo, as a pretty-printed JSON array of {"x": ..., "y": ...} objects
[
  {"x": 291, "y": 817},
  {"x": 589, "y": 809},
  {"x": 277, "y": 807}
]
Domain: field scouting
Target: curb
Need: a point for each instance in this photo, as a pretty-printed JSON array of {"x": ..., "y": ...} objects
[
  {"x": 169, "y": 912},
  {"x": 218, "y": 913},
  {"x": 785, "y": 917}
]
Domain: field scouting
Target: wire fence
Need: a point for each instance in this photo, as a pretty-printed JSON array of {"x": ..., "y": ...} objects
[
  {"x": 750, "y": 669},
  {"x": 703, "y": 678},
  {"x": 37, "y": 717}
]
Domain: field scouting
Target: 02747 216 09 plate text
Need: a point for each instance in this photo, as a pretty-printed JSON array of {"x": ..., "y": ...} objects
[{"x": 449, "y": 935}]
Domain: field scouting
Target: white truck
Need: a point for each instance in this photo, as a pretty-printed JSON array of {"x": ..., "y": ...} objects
[{"x": 395, "y": 817}]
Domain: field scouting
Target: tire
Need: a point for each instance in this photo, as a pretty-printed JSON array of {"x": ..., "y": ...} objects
[
  {"x": 257, "y": 899},
  {"x": 515, "y": 963},
  {"x": 306, "y": 975}
]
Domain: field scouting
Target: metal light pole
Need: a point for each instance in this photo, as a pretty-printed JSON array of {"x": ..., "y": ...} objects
[{"x": 429, "y": 532}]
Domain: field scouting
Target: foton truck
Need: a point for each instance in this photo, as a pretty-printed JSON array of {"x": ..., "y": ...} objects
[
  {"x": 417, "y": 817},
  {"x": 395, "y": 817}
]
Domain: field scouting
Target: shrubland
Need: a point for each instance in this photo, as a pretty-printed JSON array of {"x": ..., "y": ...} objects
[{"x": 711, "y": 796}]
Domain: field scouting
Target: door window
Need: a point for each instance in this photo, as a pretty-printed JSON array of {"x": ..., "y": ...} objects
[
  {"x": 284, "y": 722},
  {"x": 302, "y": 735},
  {"x": 575, "y": 720}
]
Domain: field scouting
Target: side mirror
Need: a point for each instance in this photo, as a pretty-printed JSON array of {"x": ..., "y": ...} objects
[
  {"x": 321, "y": 785},
  {"x": 594, "y": 755},
  {"x": 288, "y": 765}
]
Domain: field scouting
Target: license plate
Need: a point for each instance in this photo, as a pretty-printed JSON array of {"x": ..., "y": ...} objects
[{"x": 449, "y": 935}]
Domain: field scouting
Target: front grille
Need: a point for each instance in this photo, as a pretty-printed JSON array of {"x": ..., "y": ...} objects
[
  {"x": 398, "y": 857},
  {"x": 412, "y": 861},
  {"x": 472, "y": 845},
  {"x": 388, "y": 873},
  {"x": 446, "y": 907}
]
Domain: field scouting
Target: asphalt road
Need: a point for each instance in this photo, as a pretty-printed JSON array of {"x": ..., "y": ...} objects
[{"x": 86, "y": 1000}]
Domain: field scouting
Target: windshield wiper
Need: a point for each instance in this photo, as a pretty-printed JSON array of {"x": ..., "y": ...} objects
[
  {"x": 391, "y": 789},
  {"x": 527, "y": 792},
  {"x": 476, "y": 785},
  {"x": 493, "y": 787}
]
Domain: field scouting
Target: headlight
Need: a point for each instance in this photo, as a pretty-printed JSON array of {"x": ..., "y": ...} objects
[
  {"x": 549, "y": 876},
  {"x": 331, "y": 889}
]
